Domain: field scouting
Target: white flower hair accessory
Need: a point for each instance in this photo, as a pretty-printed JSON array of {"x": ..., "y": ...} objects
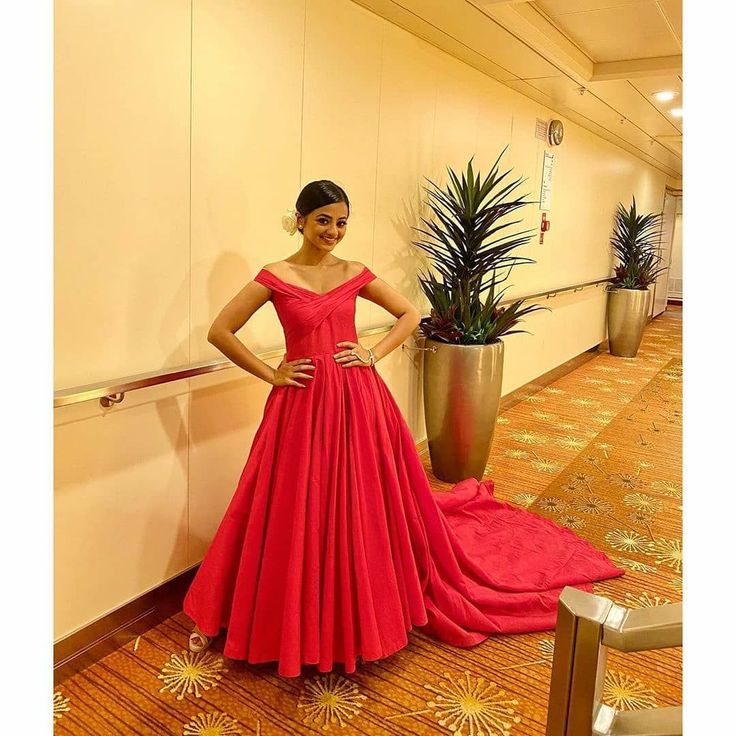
[{"x": 288, "y": 222}]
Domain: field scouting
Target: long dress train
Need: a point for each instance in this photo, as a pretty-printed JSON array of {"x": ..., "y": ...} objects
[{"x": 334, "y": 546}]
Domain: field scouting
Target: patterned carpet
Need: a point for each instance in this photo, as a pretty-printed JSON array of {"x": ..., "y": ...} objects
[{"x": 598, "y": 450}]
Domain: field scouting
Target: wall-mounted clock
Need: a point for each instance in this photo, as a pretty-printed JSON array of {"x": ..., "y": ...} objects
[{"x": 555, "y": 132}]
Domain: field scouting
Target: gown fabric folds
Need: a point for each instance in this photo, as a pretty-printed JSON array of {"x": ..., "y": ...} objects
[{"x": 334, "y": 546}]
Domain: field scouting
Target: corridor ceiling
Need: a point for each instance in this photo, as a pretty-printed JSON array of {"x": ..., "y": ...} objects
[{"x": 596, "y": 62}]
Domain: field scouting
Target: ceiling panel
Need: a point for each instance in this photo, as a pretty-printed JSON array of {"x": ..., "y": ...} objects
[
  {"x": 674, "y": 144},
  {"x": 630, "y": 47},
  {"x": 647, "y": 86},
  {"x": 621, "y": 32},
  {"x": 491, "y": 40},
  {"x": 635, "y": 107},
  {"x": 673, "y": 12},
  {"x": 558, "y": 7},
  {"x": 650, "y": 85}
]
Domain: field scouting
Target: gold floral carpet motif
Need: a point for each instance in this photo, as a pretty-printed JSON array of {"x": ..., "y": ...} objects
[{"x": 599, "y": 451}]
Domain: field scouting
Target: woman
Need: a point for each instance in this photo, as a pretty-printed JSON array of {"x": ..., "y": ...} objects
[{"x": 334, "y": 546}]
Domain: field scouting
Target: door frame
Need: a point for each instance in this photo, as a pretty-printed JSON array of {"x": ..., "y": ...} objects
[{"x": 665, "y": 277}]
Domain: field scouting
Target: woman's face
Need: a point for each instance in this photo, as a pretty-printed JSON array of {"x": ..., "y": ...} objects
[{"x": 325, "y": 227}]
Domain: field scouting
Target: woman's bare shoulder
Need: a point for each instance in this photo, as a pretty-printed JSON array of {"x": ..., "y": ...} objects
[{"x": 357, "y": 267}]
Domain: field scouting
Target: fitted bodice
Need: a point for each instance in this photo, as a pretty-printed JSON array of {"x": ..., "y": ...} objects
[{"x": 313, "y": 323}]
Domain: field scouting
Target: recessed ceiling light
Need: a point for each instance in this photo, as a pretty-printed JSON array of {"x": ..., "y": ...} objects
[
  {"x": 676, "y": 112},
  {"x": 665, "y": 95}
]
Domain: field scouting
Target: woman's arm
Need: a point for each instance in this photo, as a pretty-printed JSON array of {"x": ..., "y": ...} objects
[
  {"x": 232, "y": 317},
  {"x": 407, "y": 315}
]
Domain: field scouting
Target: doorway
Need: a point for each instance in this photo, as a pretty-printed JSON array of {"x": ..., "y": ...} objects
[{"x": 671, "y": 211}]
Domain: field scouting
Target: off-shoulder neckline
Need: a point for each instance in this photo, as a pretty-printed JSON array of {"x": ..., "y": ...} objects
[{"x": 311, "y": 291}]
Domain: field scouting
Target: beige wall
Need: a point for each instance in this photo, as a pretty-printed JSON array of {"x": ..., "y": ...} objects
[{"x": 169, "y": 198}]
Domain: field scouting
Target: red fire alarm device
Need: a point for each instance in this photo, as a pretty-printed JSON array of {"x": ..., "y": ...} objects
[{"x": 543, "y": 227}]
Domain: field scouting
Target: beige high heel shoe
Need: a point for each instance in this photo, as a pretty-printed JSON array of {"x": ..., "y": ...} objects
[{"x": 198, "y": 642}]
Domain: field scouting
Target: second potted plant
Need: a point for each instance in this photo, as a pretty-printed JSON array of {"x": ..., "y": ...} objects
[{"x": 635, "y": 242}]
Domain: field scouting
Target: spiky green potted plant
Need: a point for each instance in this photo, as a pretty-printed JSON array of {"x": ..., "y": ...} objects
[
  {"x": 470, "y": 240},
  {"x": 635, "y": 244}
]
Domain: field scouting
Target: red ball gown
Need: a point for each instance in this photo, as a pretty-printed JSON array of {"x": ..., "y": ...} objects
[{"x": 334, "y": 546}]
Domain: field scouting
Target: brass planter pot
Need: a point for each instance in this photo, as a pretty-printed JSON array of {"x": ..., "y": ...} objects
[
  {"x": 462, "y": 393},
  {"x": 628, "y": 310}
]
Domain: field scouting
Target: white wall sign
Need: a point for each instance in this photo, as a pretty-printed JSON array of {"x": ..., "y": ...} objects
[{"x": 545, "y": 196}]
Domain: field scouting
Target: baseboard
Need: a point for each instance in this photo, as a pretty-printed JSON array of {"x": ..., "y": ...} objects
[
  {"x": 110, "y": 632},
  {"x": 521, "y": 393}
]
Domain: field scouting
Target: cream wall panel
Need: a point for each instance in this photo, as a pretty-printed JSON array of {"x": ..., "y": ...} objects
[
  {"x": 342, "y": 79},
  {"x": 404, "y": 137},
  {"x": 456, "y": 115},
  {"x": 573, "y": 324},
  {"x": 525, "y": 154},
  {"x": 226, "y": 410},
  {"x": 523, "y": 354},
  {"x": 495, "y": 123},
  {"x": 246, "y": 143},
  {"x": 121, "y": 187},
  {"x": 576, "y": 247},
  {"x": 578, "y": 322},
  {"x": 120, "y": 502},
  {"x": 525, "y": 157},
  {"x": 406, "y": 128}
]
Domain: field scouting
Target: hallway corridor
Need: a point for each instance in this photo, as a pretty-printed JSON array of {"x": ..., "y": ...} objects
[{"x": 599, "y": 451}]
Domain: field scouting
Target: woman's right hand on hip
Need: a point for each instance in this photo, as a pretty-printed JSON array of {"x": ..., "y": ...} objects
[{"x": 289, "y": 370}]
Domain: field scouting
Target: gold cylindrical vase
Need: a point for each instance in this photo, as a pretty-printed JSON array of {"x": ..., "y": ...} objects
[
  {"x": 462, "y": 394},
  {"x": 628, "y": 310}
]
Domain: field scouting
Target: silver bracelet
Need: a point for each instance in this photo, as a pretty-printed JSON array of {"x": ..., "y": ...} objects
[{"x": 371, "y": 358}]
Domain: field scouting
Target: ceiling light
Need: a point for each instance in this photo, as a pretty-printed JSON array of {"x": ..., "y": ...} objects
[
  {"x": 676, "y": 112},
  {"x": 665, "y": 95}
]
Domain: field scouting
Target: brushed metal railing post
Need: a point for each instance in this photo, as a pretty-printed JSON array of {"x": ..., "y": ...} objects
[
  {"x": 587, "y": 626},
  {"x": 578, "y": 661}
]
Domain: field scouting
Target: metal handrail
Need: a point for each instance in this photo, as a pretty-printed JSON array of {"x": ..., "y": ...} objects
[
  {"x": 112, "y": 392},
  {"x": 550, "y": 293}
]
